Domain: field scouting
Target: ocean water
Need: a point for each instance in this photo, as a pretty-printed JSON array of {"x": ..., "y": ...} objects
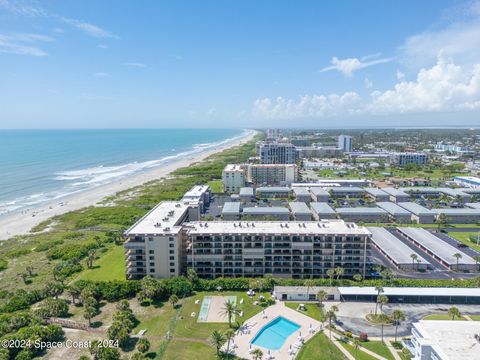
[{"x": 38, "y": 166}]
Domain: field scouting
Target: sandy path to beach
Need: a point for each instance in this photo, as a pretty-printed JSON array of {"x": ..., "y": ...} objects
[{"x": 21, "y": 223}]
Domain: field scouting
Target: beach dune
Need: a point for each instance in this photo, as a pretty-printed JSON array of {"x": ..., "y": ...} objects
[{"x": 22, "y": 222}]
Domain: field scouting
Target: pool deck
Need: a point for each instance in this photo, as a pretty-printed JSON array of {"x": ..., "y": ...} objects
[{"x": 253, "y": 325}]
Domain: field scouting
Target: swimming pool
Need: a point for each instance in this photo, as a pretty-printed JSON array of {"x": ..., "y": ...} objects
[{"x": 273, "y": 335}]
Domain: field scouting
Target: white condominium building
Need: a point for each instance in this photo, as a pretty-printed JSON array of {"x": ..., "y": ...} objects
[
  {"x": 233, "y": 178},
  {"x": 345, "y": 143},
  {"x": 273, "y": 152},
  {"x": 272, "y": 174},
  {"x": 406, "y": 158}
]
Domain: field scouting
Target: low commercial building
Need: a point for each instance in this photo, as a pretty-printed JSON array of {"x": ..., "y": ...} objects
[
  {"x": 302, "y": 194},
  {"x": 327, "y": 183},
  {"x": 319, "y": 194},
  {"x": 154, "y": 244},
  {"x": 467, "y": 181},
  {"x": 409, "y": 295},
  {"x": 446, "y": 254},
  {"x": 459, "y": 215},
  {"x": 363, "y": 214},
  {"x": 300, "y": 211},
  {"x": 397, "y": 195},
  {"x": 399, "y": 254},
  {"x": 231, "y": 211},
  {"x": 377, "y": 194},
  {"x": 396, "y": 213},
  {"x": 405, "y": 158},
  {"x": 456, "y": 194},
  {"x": 246, "y": 194},
  {"x": 322, "y": 210},
  {"x": 273, "y": 192},
  {"x": 445, "y": 340},
  {"x": 267, "y": 212},
  {"x": 420, "y": 214},
  {"x": 283, "y": 249},
  {"x": 233, "y": 178},
  {"x": 272, "y": 174},
  {"x": 347, "y": 191}
]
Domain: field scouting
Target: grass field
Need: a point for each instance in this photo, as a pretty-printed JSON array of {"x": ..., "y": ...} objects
[
  {"x": 320, "y": 348},
  {"x": 216, "y": 186},
  {"x": 441, "y": 317},
  {"x": 464, "y": 237},
  {"x": 357, "y": 354},
  {"x": 379, "y": 348},
  {"x": 313, "y": 310},
  {"x": 110, "y": 266}
]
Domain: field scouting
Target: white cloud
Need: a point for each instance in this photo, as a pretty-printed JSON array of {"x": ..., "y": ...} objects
[
  {"x": 348, "y": 66},
  {"x": 23, "y": 44},
  {"x": 101, "y": 74},
  {"x": 89, "y": 29},
  {"x": 134, "y": 64},
  {"x": 400, "y": 75},
  {"x": 368, "y": 83},
  {"x": 445, "y": 87}
]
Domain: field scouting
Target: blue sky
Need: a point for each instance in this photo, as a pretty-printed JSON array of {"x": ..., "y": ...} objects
[{"x": 70, "y": 64}]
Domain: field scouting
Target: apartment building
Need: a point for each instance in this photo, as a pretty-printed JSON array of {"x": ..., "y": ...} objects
[
  {"x": 283, "y": 249},
  {"x": 345, "y": 143},
  {"x": 233, "y": 178},
  {"x": 405, "y": 158},
  {"x": 273, "y": 152},
  {"x": 272, "y": 174}
]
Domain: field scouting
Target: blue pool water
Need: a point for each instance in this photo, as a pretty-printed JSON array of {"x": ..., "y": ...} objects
[{"x": 273, "y": 335}]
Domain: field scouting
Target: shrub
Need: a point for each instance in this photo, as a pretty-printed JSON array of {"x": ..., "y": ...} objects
[
  {"x": 12, "y": 254},
  {"x": 397, "y": 345},
  {"x": 70, "y": 251},
  {"x": 53, "y": 307},
  {"x": 47, "y": 245},
  {"x": 3, "y": 264},
  {"x": 348, "y": 334},
  {"x": 363, "y": 337}
]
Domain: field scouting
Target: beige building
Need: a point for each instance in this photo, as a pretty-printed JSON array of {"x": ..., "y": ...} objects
[
  {"x": 233, "y": 178},
  {"x": 272, "y": 174}
]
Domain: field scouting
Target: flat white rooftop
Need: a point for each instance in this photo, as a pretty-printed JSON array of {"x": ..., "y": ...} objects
[
  {"x": 416, "y": 209},
  {"x": 322, "y": 208},
  {"x": 265, "y": 210},
  {"x": 395, "y": 192},
  {"x": 234, "y": 167},
  {"x": 437, "y": 246},
  {"x": 394, "y": 247},
  {"x": 393, "y": 208},
  {"x": 196, "y": 192},
  {"x": 299, "y": 208},
  {"x": 451, "y": 340},
  {"x": 277, "y": 227},
  {"x": 162, "y": 219},
  {"x": 361, "y": 210}
]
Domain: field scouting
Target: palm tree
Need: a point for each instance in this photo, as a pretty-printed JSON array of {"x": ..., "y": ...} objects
[
  {"x": 357, "y": 277},
  {"x": 257, "y": 354},
  {"x": 230, "y": 309},
  {"x": 414, "y": 259},
  {"x": 383, "y": 319},
  {"x": 382, "y": 300},
  {"x": 453, "y": 312},
  {"x": 379, "y": 290},
  {"x": 397, "y": 316},
  {"x": 229, "y": 335},
  {"x": 457, "y": 256},
  {"x": 331, "y": 316},
  {"x": 90, "y": 258},
  {"x": 173, "y": 299},
  {"x": 356, "y": 344},
  {"x": 330, "y": 273},
  {"x": 339, "y": 271},
  {"x": 321, "y": 297},
  {"x": 143, "y": 345},
  {"x": 309, "y": 283},
  {"x": 217, "y": 339}
]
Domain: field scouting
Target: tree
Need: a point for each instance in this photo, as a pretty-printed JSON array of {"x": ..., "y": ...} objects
[
  {"x": 229, "y": 335},
  {"x": 383, "y": 319},
  {"x": 90, "y": 258},
  {"x": 192, "y": 276},
  {"x": 143, "y": 345},
  {"x": 322, "y": 295},
  {"x": 453, "y": 312},
  {"x": 414, "y": 259},
  {"x": 331, "y": 317},
  {"x": 339, "y": 271},
  {"x": 357, "y": 344},
  {"x": 357, "y": 277},
  {"x": 230, "y": 309},
  {"x": 457, "y": 256},
  {"x": 397, "y": 316},
  {"x": 54, "y": 288},
  {"x": 53, "y": 307},
  {"x": 74, "y": 291},
  {"x": 441, "y": 221},
  {"x": 90, "y": 308},
  {"x": 173, "y": 299},
  {"x": 309, "y": 283},
  {"x": 330, "y": 274},
  {"x": 379, "y": 290},
  {"x": 104, "y": 352},
  {"x": 382, "y": 300},
  {"x": 257, "y": 354},
  {"x": 29, "y": 270},
  {"x": 217, "y": 339}
]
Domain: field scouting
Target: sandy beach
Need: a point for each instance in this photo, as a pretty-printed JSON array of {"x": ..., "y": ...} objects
[{"x": 21, "y": 222}]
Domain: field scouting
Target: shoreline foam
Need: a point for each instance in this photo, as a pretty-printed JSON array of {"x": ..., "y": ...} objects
[{"x": 22, "y": 222}]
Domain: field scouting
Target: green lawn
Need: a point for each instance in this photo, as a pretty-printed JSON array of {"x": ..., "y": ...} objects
[
  {"x": 441, "y": 317},
  {"x": 474, "y": 317},
  {"x": 464, "y": 237},
  {"x": 182, "y": 350},
  {"x": 313, "y": 310},
  {"x": 216, "y": 186},
  {"x": 358, "y": 354},
  {"x": 320, "y": 348},
  {"x": 379, "y": 348},
  {"x": 110, "y": 266}
]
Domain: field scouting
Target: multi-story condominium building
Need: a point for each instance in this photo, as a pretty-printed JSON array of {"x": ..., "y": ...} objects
[
  {"x": 405, "y": 158},
  {"x": 199, "y": 194},
  {"x": 274, "y": 152},
  {"x": 283, "y": 249},
  {"x": 445, "y": 340},
  {"x": 456, "y": 149},
  {"x": 345, "y": 143},
  {"x": 317, "y": 151},
  {"x": 154, "y": 244},
  {"x": 233, "y": 178},
  {"x": 272, "y": 174}
]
